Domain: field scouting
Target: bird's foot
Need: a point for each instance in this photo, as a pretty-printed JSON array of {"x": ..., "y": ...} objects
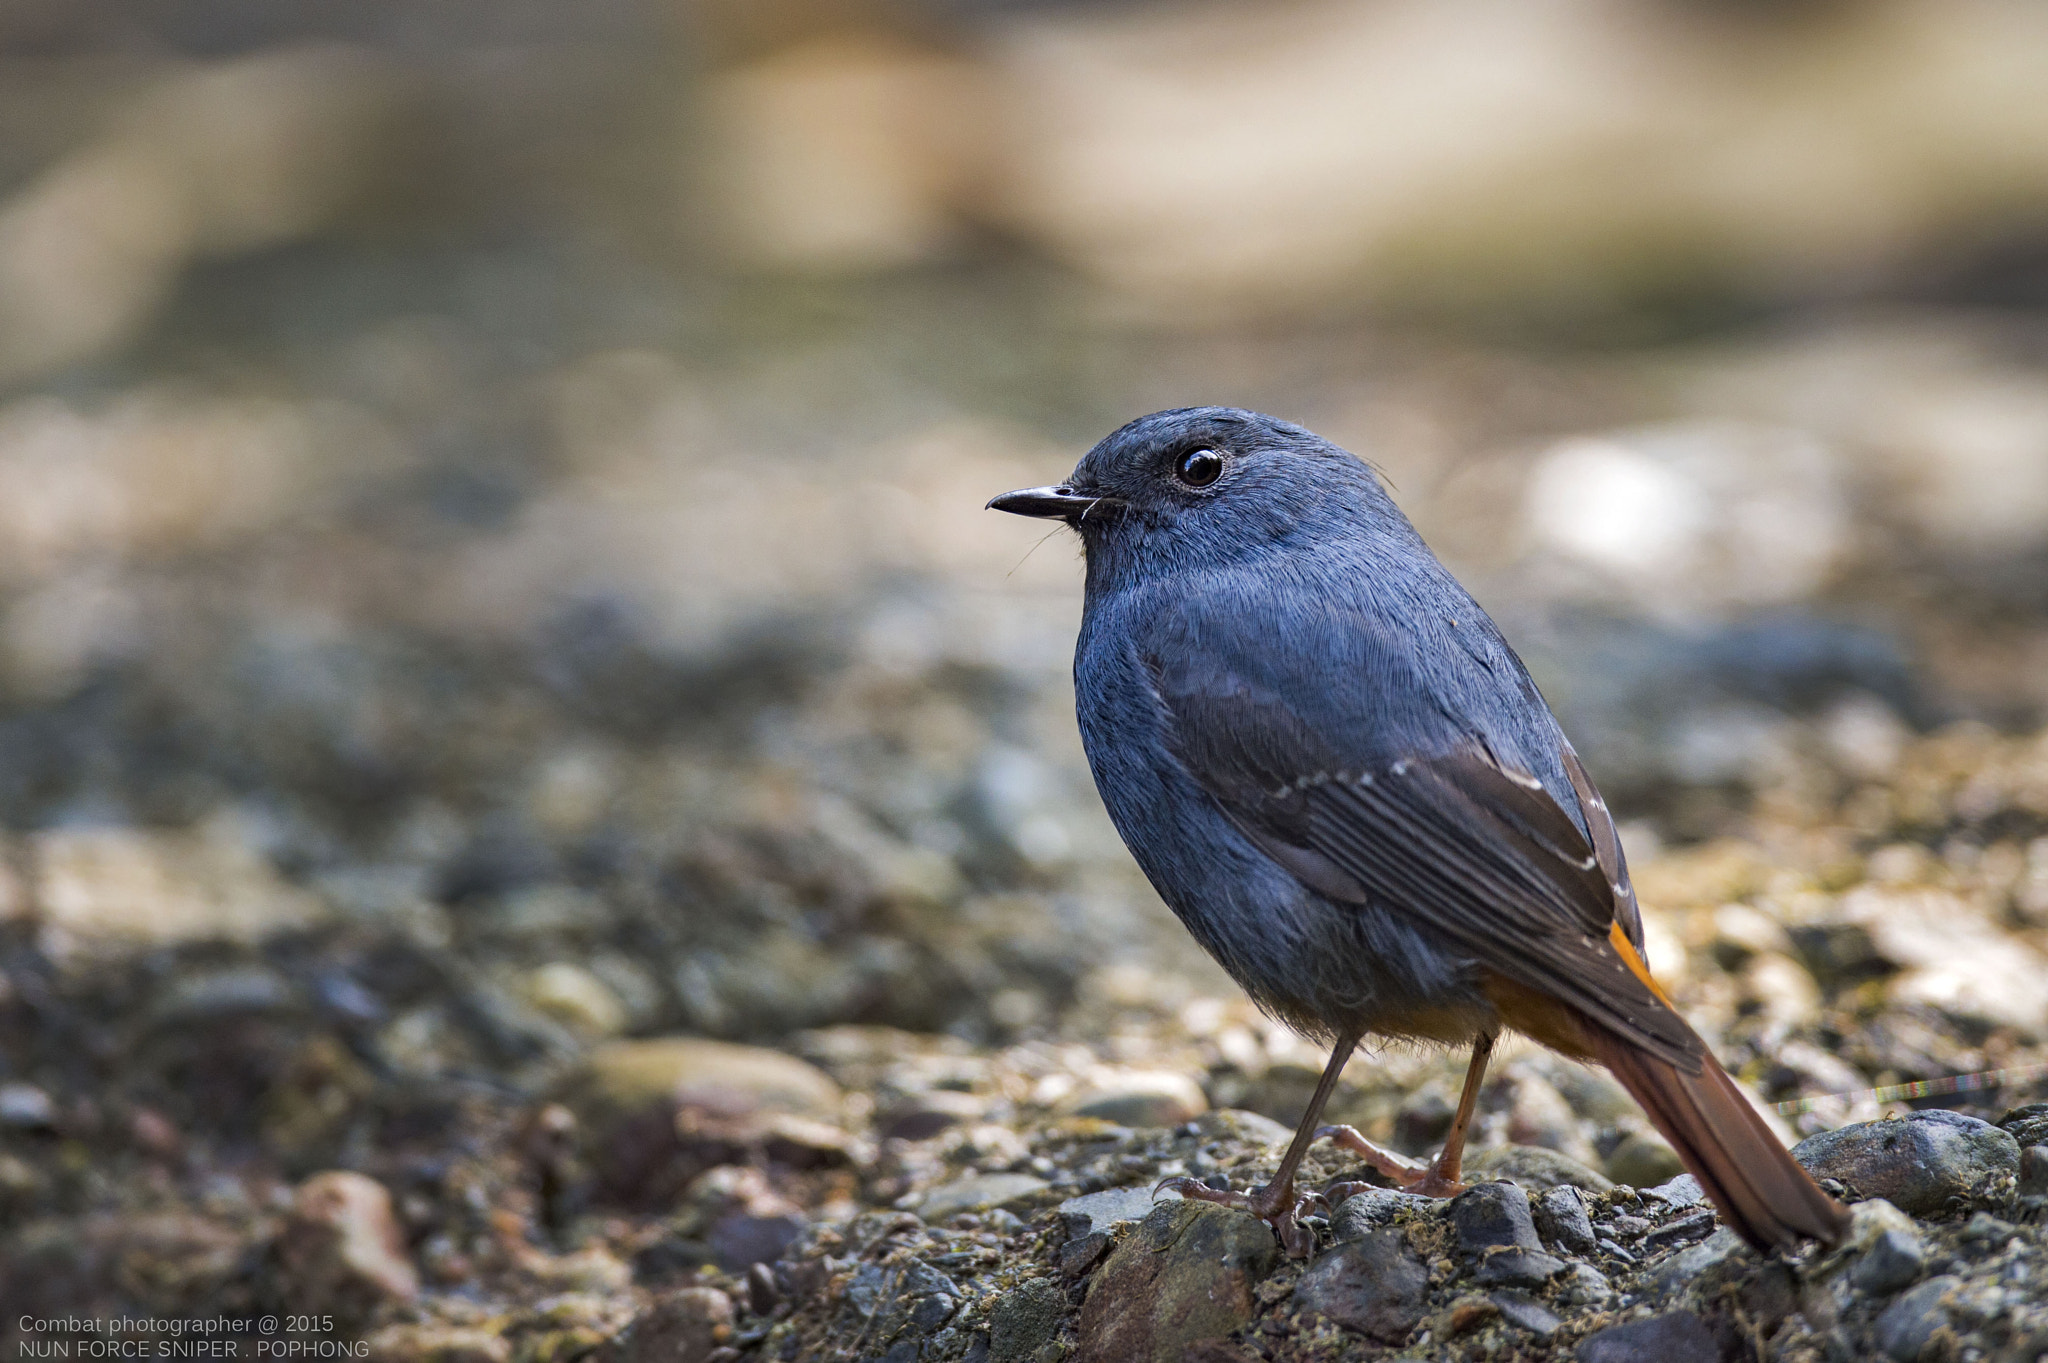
[
  {"x": 1278, "y": 1205},
  {"x": 1433, "y": 1179}
]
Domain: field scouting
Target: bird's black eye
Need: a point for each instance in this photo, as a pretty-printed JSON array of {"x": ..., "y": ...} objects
[{"x": 1199, "y": 468}]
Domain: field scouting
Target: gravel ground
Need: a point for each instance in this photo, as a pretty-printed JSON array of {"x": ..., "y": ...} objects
[
  {"x": 381, "y": 1121},
  {"x": 520, "y": 852}
]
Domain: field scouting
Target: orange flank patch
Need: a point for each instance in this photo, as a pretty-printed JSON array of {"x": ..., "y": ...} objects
[
  {"x": 1635, "y": 962},
  {"x": 1535, "y": 1014}
]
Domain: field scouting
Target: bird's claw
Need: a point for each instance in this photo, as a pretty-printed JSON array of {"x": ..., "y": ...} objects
[
  {"x": 1279, "y": 1207},
  {"x": 1410, "y": 1176}
]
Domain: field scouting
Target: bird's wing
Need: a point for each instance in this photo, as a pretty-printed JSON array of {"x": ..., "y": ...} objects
[
  {"x": 1483, "y": 854},
  {"x": 1607, "y": 849}
]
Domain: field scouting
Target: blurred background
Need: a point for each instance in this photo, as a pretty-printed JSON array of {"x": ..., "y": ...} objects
[{"x": 492, "y": 558}]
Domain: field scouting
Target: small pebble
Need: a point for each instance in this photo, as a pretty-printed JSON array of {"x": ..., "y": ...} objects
[
  {"x": 26, "y": 1107},
  {"x": 1561, "y": 1218},
  {"x": 1521, "y": 1309},
  {"x": 1374, "y": 1285},
  {"x": 341, "y": 1248},
  {"x": 1893, "y": 1260},
  {"x": 1494, "y": 1225},
  {"x": 1675, "y": 1337},
  {"x": 1362, "y": 1211},
  {"x": 2033, "y": 1179},
  {"x": 1906, "y": 1326},
  {"x": 1691, "y": 1226}
]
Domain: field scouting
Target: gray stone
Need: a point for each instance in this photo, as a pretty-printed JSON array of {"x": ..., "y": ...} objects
[
  {"x": 1680, "y": 1230},
  {"x": 1909, "y": 1323},
  {"x": 1359, "y": 1213},
  {"x": 1024, "y": 1320},
  {"x": 741, "y": 1239},
  {"x": 1988, "y": 1231},
  {"x": 1003, "y": 1221},
  {"x": 1593, "y": 1094},
  {"x": 1561, "y": 1219},
  {"x": 1108, "y": 1209},
  {"x": 976, "y": 1193},
  {"x": 26, "y": 1106},
  {"x": 1493, "y": 1215},
  {"x": 1536, "y": 1169},
  {"x": 1882, "y": 1251},
  {"x": 1373, "y": 1284},
  {"x": 1236, "y": 1124},
  {"x": 1624, "y": 1226},
  {"x": 928, "y": 1313},
  {"x": 1585, "y": 1285},
  {"x": 1693, "y": 1262},
  {"x": 1184, "y": 1273},
  {"x": 1524, "y": 1311},
  {"x": 1494, "y": 1226},
  {"x": 1683, "y": 1191},
  {"x": 222, "y": 993},
  {"x": 1918, "y": 1162},
  {"x": 1643, "y": 1160},
  {"x": 2033, "y": 1177},
  {"x": 912, "y": 1296},
  {"x": 1079, "y": 1255},
  {"x": 870, "y": 1288},
  {"x": 1674, "y": 1337},
  {"x": 1894, "y": 1259},
  {"x": 2028, "y": 1125}
]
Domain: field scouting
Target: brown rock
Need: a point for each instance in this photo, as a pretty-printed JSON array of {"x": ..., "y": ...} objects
[
  {"x": 341, "y": 1249},
  {"x": 686, "y": 1326},
  {"x": 924, "y": 1115},
  {"x": 1185, "y": 1274},
  {"x": 642, "y": 1103},
  {"x": 716, "y": 1076}
]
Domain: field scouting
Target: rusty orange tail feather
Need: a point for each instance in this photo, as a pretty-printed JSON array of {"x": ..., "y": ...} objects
[{"x": 1761, "y": 1191}]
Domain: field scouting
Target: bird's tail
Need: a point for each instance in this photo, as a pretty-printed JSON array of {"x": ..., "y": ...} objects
[{"x": 1763, "y": 1194}]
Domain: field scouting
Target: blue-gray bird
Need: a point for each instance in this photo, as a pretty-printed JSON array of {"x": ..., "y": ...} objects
[{"x": 1343, "y": 781}]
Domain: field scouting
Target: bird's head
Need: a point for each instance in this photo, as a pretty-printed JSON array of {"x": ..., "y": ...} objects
[{"x": 1207, "y": 485}]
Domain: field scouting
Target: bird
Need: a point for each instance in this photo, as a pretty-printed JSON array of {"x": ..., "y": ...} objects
[{"x": 1341, "y": 778}]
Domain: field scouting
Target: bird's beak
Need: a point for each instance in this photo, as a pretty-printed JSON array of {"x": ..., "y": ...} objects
[{"x": 1062, "y": 503}]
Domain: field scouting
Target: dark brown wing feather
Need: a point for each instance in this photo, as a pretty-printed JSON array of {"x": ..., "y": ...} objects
[
  {"x": 1607, "y": 847},
  {"x": 1500, "y": 869},
  {"x": 1486, "y": 857}
]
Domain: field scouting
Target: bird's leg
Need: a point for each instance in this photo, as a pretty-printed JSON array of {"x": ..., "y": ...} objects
[
  {"x": 1277, "y": 1203},
  {"x": 1441, "y": 1176}
]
